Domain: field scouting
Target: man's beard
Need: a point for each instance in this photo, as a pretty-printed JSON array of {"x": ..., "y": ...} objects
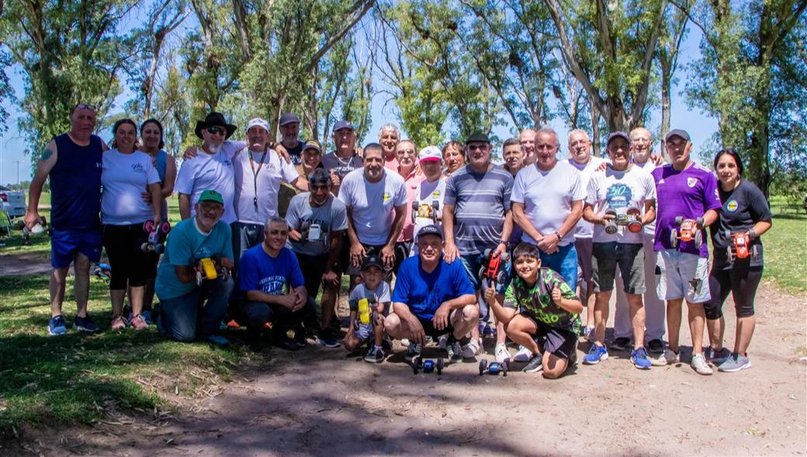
[{"x": 213, "y": 148}]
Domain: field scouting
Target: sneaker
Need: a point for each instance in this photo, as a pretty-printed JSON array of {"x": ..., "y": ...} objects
[
  {"x": 595, "y": 355},
  {"x": 619, "y": 344},
  {"x": 668, "y": 357},
  {"x": 453, "y": 349},
  {"x": 470, "y": 350},
  {"x": 118, "y": 323},
  {"x": 699, "y": 365},
  {"x": 442, "y": 342},
  {"x": 535, "y": 364},
  {"x": 375, "y": 354},
  {"x": 717, "y": 357},
  {"x": 639, "y": 358},
  {"x": 734, "y": 363},
  {"x": 405, "y": 342},
  {"x": 299, "y": 338},
  {"x": 85, "y": 324},
  {"x": 139, "y": 323},
  {"x": 218, "y": 340},
  {"x": 501, "y": 353},
  {"x": 284, "y": 342},
  {"x": 523, "y": 355},
  {"x": 412, "y": 351},
  {"x": 327, "y": 338},
  {"x": 488, "y": 330},
  {"x": 655, "y": 346},
  {"x": 57, "y": 326}
]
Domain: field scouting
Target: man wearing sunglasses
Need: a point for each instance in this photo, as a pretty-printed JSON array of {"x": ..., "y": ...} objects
[
  {"x": 211, "y": 168},
  {"x": 72, "y": 161}
]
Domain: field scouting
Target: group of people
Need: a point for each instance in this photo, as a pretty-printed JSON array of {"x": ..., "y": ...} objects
[{"x": 440, "y": 245}]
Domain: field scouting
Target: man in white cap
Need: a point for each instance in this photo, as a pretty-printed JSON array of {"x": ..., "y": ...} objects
[
  {"x": 290, "y": 130},
  {"x": 428, "y": 201}
]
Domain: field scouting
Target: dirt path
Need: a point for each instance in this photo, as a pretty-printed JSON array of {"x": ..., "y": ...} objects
[
  {"x": 319, "y": 402},
  {"x": 24, "y": 264}
]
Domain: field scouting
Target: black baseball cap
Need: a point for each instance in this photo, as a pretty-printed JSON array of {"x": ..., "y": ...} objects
[
  {"x": 431, "y": 230},
  {"x": 372, "y": 260}
]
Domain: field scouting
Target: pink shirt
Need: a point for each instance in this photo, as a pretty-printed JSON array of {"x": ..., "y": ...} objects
[
  {"x": 411, "y": 183},
  {"x": 391, "y": 164}
]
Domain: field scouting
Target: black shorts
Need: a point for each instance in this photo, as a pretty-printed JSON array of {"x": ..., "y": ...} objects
[
  {"x": 428, "y": 328},
  {"x": 556, "y": 341},
  {"x": 130, "y": 265}
]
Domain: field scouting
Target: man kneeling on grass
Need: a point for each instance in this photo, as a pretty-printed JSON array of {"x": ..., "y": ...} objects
[
  {"x": 368, "y": 303},
  {"x": 539, "y": 304}
]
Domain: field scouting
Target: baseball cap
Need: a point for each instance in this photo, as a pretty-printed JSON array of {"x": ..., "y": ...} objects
[
  {"x": 343, "y": 125},
  {"x": 210, "y": 195},
  {"x": 288, "y": 118},
  {"x": 477, "y": 137},
  {"x": 431, "y": 230},
  {"x": 258, "y": 122},
  {"x": 430, "y": 153},
  {"x": 617, "y": 134},
  {"x": 372, "y": 261},
  {"x": 312, "y": 144},
  {"x": 677, "y": 132}
]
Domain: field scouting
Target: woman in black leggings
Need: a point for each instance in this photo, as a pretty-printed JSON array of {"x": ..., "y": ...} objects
[{"x": 745, "y": 216}]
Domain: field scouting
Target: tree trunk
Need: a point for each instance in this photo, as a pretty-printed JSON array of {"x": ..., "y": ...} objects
[
  {"x": 595, "y": 131},
  {"x": 666, "y": 83}
]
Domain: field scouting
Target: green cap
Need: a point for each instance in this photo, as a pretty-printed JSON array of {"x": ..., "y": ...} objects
[{"x": 211, "y": 196}]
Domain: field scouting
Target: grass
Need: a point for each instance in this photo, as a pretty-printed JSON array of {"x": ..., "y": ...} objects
[{"x": 786, "y": 247}]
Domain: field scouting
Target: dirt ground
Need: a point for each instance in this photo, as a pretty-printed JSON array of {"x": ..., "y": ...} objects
[{"x": 321, "y": 402}]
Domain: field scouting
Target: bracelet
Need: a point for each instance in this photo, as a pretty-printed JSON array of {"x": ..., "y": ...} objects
[
  {"x": 752, "y": 234},
  {"x": 557, "y": 234}
]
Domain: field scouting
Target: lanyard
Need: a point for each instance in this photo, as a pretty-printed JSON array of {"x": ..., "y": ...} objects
[{"x": 255, "y": 175}]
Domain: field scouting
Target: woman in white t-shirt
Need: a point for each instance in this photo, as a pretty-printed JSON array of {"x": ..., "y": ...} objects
[{"x": 126, "y": 174}]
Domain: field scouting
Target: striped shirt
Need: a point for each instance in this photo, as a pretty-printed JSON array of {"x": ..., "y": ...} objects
[{"x": 480, "y": 202}]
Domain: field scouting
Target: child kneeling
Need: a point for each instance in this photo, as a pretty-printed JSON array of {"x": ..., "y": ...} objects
[
  {"x": 539, "y": 304},
  {"x": 367, "y": 304}
]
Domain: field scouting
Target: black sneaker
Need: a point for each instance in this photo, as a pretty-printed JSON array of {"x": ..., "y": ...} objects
[
  {"x": 328, "y": 338},
  {"x": 374, "y": 355},
  {"x": 655, "y": 346},
  {"x": 284, "y": 342},
  {"x": 619, "y": 344},
  {"x": 85, "y": 324},
  {"x": 534, "y": 365}
]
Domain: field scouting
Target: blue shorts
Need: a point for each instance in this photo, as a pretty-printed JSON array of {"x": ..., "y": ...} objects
[
  {"x": 65, "y": 244},
  {"x": 472, "y": 264}
]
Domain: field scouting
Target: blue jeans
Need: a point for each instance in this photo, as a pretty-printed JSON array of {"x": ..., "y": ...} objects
[
  {"x": 196, "y": 314},
  {"x": 564, "y": 262}
]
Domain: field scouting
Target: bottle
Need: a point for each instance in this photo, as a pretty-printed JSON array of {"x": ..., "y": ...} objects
[{"x": 364, "y": 311}]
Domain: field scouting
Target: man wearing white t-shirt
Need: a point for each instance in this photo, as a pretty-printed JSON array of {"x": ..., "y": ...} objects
[
  {"x": 428, "y": 202},
  {"x": 210, "y": 169},
  {"x": 580, "y": 157},
  {"x": 620, "y": 201},
  {"x": 547, "y": 203},
  {"x": 376, "y": 206}
]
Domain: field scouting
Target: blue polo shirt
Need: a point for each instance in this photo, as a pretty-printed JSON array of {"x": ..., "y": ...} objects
[{"x": 424, "y": 292}]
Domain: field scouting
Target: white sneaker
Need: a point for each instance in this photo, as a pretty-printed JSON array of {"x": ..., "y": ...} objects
[
  {"x": 700, "y": 366},
  {"x": 405, "y": 342},
  {"x": 501, "y": 353},
  {"x": 523, "y": 355},
  {"x": 667, "y": 358},
  {"x": 470, "y": 350}
]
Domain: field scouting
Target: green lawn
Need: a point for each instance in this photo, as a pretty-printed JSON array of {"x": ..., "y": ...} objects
[{"x": 786, "y": 247}]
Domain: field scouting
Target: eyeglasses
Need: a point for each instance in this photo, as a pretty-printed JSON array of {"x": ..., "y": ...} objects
[
  {"x": 209, "y": 207},
  {"x": 216, "y": 130}
]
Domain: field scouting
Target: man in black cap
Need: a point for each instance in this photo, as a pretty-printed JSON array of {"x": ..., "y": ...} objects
[
  {"x": 432, "y": 297},
  {"x": 211, "y": 168},
  {"x": 289, "y": 131}
]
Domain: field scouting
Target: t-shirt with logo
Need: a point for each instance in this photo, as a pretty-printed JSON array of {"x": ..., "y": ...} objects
[
  {"x": 427, "y": 195},
  {"x": 548, "y": 197},
  {"x": 186, "y": 245},
  {"x": 372, "y": 205},
  {"x": 424, "y": 292},
  {"x": 257, "y": 183},
  {"x": 688, "y": 193},
  {"x": 316, "y": 224},
  {"x": 339, "y": 166},
  {"x": 743, "y": 206},
  {"x": 619, "y": 191},
  {"x": 536, "y": 301},
  {"x": 124, "y": 178},
  {"x": 270, "y": 275},
  {"x": 211, "y": 172},
  {"x": 584, "y": 229}
]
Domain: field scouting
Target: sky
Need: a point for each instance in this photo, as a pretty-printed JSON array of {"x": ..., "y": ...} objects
[{"x": 700, "y": 127}]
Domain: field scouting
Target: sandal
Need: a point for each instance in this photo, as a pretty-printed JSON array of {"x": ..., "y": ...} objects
[
  {"x": 139, "y": 323},
  {"x": 118, "y": 323}
]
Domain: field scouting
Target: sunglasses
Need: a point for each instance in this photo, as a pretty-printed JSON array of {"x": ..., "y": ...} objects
[{"x": 216, "y": 130}]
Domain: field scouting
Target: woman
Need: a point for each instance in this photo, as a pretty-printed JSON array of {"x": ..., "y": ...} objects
[
  {"x": 453, "y": 157},
  {"x": 310, "y": 159},
  {"x": 151, "y": 139},
  {"x": 125, "y": 173},
  {"x": 745, "y": 212}
]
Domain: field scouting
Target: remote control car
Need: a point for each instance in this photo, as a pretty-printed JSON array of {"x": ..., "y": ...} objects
[
  {"x": 740, "y": 245},
  {"x": 428, "y": 365},
  {"x": 494, "y": 368},
  {"x": 631, "y": 218},
  {"x": 688, "y": 230},
  {"x": 157, "y": 234},
  {"x": 493, "y": 266},
  {"x": 423, "y": 210}
]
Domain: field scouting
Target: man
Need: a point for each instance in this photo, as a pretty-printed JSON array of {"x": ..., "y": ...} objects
[
  {"x": 527, "y": 139},
  {"x": 311, "y": 160},
  {"x": 641, "y": 143},
  {"x": 430, "y": 192},
  {"x": 407, "y": 154},
  {"x": 432, "y": 297},
  {"x": 289, "y": 131},
  {"x": 547, "y": 203},
  {"x": 211, "y": 168},
  {"x": 258, "y": 174},
  {"x": 344, "y": 159},
  {"x": 580, "y": 157},
  {"x": 275, "y": 289},
  {"x": 193, "y": 297},
  {"x": 72, "y": 161},
  {"x": 388, "y": 137},
  {"x": 513, "y": 156},
  {"x": 376, "y": 206},
  {"x": 617, "y": 192},
  {"x": 476, "y": 216},
  {"x": 689, "y": 191},
  {"x": 317, "y": 225}
]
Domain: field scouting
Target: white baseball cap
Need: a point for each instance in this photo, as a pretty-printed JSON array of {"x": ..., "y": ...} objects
[
  {"x": 430, "y": 153},
  {"x": 258, "y": 122}
]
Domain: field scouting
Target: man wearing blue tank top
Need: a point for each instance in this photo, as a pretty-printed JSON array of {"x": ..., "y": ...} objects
[{"x": 72, "y": 161}]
